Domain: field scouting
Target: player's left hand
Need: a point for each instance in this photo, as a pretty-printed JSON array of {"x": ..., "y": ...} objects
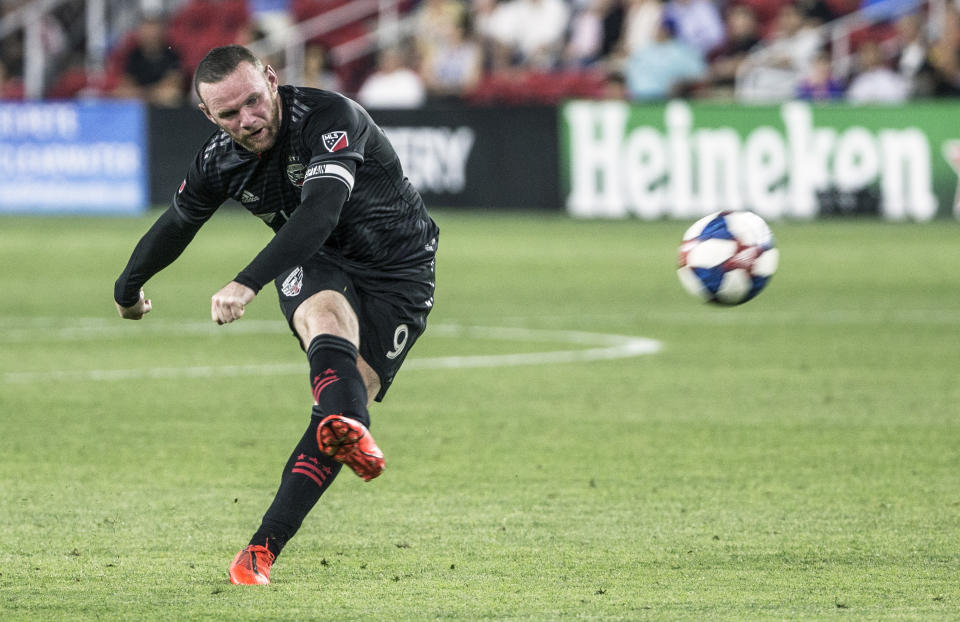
[{"x": 227, "y": 304}]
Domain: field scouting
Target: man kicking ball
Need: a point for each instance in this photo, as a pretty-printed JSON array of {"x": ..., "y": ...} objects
[{"x": 352, "y": 259}]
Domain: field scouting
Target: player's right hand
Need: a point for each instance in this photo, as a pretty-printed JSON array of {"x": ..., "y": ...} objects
[{"x": 136, "y": 311}]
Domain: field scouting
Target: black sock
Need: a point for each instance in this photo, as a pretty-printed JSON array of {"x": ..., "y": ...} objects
[
  {"x": 308, "y": 473},
  {"x": 338, "y": 387}
]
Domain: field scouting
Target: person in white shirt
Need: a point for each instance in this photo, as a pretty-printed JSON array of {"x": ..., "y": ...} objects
[
  {"x": 393, "y": 84},
  {"x": 876, "y": 83}
]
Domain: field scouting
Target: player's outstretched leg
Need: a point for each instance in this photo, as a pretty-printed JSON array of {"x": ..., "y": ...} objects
[
  {"x": 338, "y": 388},
  {"x": 306, "y": 476},
  {"x": 349, "y": 441},
  {"x": 341, "y": 397}
]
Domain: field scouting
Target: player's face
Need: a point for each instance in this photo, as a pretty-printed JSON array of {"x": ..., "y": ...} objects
[{"x": 246, "y": 105}]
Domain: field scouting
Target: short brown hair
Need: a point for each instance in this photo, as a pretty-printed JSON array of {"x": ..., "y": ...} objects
[{"x": 220, "y": 63}]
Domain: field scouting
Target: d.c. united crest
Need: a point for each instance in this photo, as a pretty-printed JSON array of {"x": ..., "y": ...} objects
[
  {"x": 295, "y": 171},
  {"x": 293, "y": 283}
]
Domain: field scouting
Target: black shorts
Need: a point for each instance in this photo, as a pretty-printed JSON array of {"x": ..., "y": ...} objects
[{"x": 391, "y": 307}]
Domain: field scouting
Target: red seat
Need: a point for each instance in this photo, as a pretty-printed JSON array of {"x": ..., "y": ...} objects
[
  {"x": 12, "y": 89},
  {"x": 843, "y": 7},
  {"x": 69, "y": 83},
  {"x": 765, "y": 10},
  {"x": 305, "y": 9}
]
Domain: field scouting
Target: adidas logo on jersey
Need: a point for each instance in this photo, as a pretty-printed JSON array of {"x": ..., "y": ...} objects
[{"x": 248, "y": 197}]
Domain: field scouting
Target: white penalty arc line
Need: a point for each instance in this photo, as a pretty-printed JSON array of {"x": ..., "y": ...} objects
[{"x": 606, "y": 347}]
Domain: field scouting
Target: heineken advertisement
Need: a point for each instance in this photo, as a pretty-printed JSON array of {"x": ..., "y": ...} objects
[{"x": 793, "y": 160}]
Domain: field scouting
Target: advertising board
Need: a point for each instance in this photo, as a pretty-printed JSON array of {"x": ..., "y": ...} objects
[
  {"x": 794, "y": 160},
  {"x": 73, "y": 157}
]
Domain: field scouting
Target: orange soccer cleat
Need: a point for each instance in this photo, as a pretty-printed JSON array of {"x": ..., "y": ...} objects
[
  {"x": 251, "y": 566},
  {"x": 349, "y": 441}
]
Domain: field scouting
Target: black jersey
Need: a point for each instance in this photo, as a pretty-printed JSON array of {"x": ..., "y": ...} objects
[{"x": 325, "y": 138}]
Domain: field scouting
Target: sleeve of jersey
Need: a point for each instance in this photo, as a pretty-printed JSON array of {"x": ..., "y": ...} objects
[
  {"x": 321, "y": 199},
  {"x": 157, "y": 249},
  {"x": 195, "y": 201}
]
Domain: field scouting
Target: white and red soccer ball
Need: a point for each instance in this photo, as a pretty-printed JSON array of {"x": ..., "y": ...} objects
[{"x": 727, "y": 257}]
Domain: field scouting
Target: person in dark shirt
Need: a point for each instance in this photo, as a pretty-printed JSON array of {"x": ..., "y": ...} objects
[
  {"x": 819, "y": 84},
  {"x": 152, "y": 71},
  {"x": 742, "y": 35},
  {"x": 352, "y": 259}
]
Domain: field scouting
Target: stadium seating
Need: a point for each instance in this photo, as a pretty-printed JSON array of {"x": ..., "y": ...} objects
[
  {"x": 195, "y": 26},
  {"x": 532, "y": 87},
  {"x": 201, "y": 24}
]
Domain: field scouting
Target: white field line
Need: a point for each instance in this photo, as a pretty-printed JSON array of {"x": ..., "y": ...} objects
[
  {"x": 46, "y": 329},
  {"x": 606, "y": 347},
  {"x": 731, "y": 316},
  {"x": 26, "y": 330}
]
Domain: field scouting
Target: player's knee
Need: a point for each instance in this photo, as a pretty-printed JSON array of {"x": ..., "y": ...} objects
[{"x": 326, "y": 313}]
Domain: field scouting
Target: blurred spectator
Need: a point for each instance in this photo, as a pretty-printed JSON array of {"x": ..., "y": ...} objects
[
  {"x": 641, "y": 22},
  {"x": 911, "y": 45},
  {"x": 435, "y": 22},
  {"x": 816, "y": 12},
  {"x": 9, "y": 6},
  {"x": 614, "y": 20},
  {"x": 493, "y": 26},
  {"x": 11, "y": 53},
  {"x": 435, "y": 18},
  {"x": 819, "y": 83},
  {"x": 152, "y": 70},
  {"x": 743, "y": 34},
  {"x": 316, "y": 72},
  {"x": 482, "y": 15},
  {"x": 585, "y": 44},
  {"x": 72, "y": 80},
  {"x": 795, "y": 40},
  {"x": 248, "y": 33},
  {"x": 454, "y": 65},
  {"x": 698, "y": 23},
  {"x": 939, "y": 75},
  {"x": 4, "y": 75},
  {"x": 539, "y": 29},
  {"x": 10, "y": 87},
  {"x": 393, "y": 85},
  {"x": 775, "y": 72},
  {"x": 271, "y": 17},
  {"x": 875, "y": 82},
  {"x": 665, "y": 68}
]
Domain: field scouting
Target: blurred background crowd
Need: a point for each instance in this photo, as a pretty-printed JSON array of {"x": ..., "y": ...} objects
[{"x": 404, "y": 54}]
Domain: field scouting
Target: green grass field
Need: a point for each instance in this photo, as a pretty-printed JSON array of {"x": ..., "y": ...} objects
[{"x": 794, "y": 458}]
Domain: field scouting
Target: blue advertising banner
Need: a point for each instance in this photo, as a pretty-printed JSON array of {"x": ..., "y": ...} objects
[{"x": 73, "y": 157}]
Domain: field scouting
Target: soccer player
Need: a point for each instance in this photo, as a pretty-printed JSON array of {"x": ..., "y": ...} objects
[{"x": 352, "y": 260}]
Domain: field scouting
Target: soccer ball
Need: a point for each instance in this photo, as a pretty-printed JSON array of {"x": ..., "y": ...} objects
[{"x": 727, "y": 257}]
